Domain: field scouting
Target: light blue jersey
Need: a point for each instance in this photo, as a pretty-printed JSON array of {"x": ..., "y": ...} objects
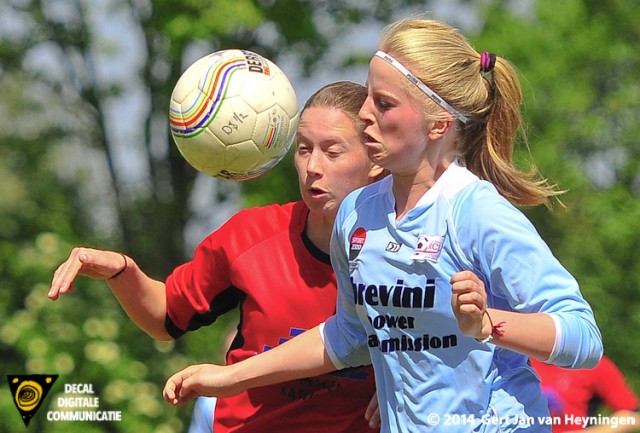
[
  {"x": 394, "y": 308},
  {"x": 202, "y": 417}
]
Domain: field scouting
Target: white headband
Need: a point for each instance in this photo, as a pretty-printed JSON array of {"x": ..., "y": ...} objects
[{"x": 430, "y": 93}]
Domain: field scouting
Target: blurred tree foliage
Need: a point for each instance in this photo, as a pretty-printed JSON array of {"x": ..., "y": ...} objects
[
  {"x": 67, "y": 178},
  {"x": 72, "y": 174},
  {"x": 580, "y": 66}
]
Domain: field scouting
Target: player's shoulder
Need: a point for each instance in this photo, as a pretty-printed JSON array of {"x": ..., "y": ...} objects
[
  {"x": 279, "y": 211},
  {"x": 479, "y": 193},
  {"x": 267, "y": 220},
  {"x": 482, "y": 200},
  {"x": 606, "y": 366},
  {"x": 368, "y": 194}
]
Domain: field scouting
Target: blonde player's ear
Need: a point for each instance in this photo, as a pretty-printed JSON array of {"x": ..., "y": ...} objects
[{"x": 441, "y": 127}]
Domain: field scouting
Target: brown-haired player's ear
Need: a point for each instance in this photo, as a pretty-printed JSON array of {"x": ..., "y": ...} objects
[{"x": 376, "y": 173}]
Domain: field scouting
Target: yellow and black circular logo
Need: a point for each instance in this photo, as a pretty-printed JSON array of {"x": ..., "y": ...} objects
[{"x": 29, "y": 391}]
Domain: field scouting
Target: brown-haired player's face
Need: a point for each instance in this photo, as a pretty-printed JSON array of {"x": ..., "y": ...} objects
[{"x": 330, "y": 159}]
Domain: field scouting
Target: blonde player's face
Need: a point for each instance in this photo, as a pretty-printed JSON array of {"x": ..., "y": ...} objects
[
  {"x": 396, "y": 128},
  {"x": 330, "y": 159}
]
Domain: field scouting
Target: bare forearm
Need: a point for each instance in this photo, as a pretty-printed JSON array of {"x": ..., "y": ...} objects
[
  {"x": 143, "y": 299},
  {"x": 568, "y": 337},
  {"x": 530, "y": 334},
  {"x": 302, "y": 356}
]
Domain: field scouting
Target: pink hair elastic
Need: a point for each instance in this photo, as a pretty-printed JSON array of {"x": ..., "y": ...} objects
[{"x": 487, "y": 62}]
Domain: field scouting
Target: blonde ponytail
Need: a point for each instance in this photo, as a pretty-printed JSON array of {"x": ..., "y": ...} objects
[{"x": 485, "y": 89}]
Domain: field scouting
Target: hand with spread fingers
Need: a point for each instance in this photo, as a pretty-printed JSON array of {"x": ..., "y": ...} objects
[
  {"x": 92, "y": 263},
  {"x": 143, "y": 298}
]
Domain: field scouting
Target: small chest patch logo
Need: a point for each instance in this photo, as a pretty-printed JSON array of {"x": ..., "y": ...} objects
[
  {"x": 393, "y": 247},
  {"x": 428, "y": 248}
]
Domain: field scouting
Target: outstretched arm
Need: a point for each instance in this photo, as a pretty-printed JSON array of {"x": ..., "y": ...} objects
[
  {"x": 142, "y": 297},
  {"x": 302, "y": 356}
]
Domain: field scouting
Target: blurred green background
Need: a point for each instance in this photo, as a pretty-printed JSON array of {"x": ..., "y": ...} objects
[{"x": 86, "y": 159}]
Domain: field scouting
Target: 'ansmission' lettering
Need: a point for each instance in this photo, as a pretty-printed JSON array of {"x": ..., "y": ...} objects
[{"x": 417, "y": 344}]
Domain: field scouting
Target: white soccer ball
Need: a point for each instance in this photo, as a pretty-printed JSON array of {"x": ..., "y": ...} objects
[{"x": 233, "y": 114}]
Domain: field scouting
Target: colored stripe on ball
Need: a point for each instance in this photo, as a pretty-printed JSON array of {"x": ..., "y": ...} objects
[{"x": 190, "y": 122}]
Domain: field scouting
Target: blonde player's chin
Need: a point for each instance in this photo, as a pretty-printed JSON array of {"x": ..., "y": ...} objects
[{"x": 375, "y": 155}]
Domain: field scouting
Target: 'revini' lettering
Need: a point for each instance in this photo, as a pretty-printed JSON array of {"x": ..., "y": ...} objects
[{"x": 396, "y": 296}]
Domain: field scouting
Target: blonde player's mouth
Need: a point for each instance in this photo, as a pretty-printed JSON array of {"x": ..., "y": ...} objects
[{"x": 370, "y": 140}]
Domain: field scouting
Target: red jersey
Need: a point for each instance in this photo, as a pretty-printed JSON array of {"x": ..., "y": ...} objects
[
  {"x": 570, "y": 392},
  {"x": 261, "y": 261}
]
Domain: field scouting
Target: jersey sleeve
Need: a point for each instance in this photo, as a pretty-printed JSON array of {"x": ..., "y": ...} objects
[
  {"x": 344, "y": 337},
  {"x": 612, "y": 388},
  {"x": 201, "y": 290},
  {"x": 523, "y": 275}
]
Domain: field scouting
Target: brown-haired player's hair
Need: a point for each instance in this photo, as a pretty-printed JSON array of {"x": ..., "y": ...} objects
[{"x": 345, "y": 96}]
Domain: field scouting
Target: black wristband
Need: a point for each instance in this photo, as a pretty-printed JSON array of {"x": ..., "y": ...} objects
[{"x": 121, "y": 271}]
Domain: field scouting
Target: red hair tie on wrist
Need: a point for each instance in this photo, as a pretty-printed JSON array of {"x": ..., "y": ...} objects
[{"x": 496, "y": 330}]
